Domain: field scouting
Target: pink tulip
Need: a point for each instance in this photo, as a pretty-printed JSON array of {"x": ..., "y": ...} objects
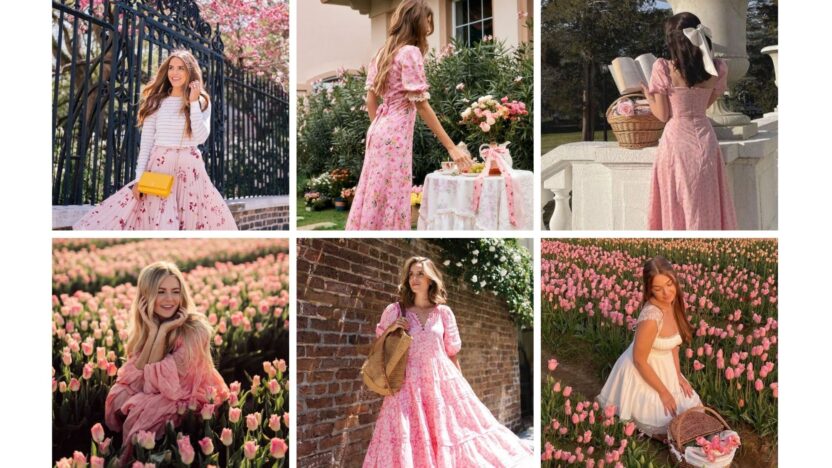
[
  {"x": 553, "y": 364},
  {"x": 96, "y": 462},
  {"x": 74, "y": 385},
  {"x": 286, "y": 419},
  {"x": 104, "y": 446},
  {"x": 146, "y": 439},
  {"x": 207, "y": 412},
  {"x": 556, "y": 387},
  {"x": 206, "y": 445},
  {"x": 758, "y": 385},
  {"x": 278, "y": 448},
  {"x": 97, "y": 432},
  {"x": 234, "y": 414},
  {"x": 629, "y": 429},
  {"x": 729, "y": 373},
  {"x": 567, "y": 391},
  {"x": 253, "y": 421},
  {"x": 227, "y": 437},
  {"x": 250, "y": 449},
  {"x": 274, "y": 386},
  {"x": 186, "y": 450}
]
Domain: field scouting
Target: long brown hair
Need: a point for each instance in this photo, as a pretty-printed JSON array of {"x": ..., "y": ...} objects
[
  {"x": 160, "y": 88},
  {"x": 411, "y": 24},
  {"x": 436, "y": 290},
  {"x": 686, "y": 57},
  {"x": 660, "y": 266},
  {"x": 195, "y": 331}
]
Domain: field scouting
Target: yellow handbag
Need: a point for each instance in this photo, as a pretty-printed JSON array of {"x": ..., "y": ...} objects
[{"x": 156, "y": 183}]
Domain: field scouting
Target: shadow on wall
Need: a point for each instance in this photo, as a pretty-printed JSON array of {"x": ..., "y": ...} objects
[{"x": 343, "y": 287}]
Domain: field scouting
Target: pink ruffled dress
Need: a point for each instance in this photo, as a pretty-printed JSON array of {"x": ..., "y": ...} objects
[
  {"x": 689, "y": 187},
  {"x": 382, "y": 199},
  {"x": 146, "y": 399},
  {"x": 436, "y": 420}
]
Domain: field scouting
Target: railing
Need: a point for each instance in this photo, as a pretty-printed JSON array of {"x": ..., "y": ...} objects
[{"x": 104, "y": 52}]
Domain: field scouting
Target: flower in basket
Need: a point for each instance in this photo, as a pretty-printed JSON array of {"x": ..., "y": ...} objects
[
  {"x": 416, "y": 195},
  {"x": 717, "y": 446},
  {"x": 625, "y": 107}
]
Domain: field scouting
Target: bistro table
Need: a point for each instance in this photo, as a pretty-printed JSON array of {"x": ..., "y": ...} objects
[{"x": 446, "y": 203}]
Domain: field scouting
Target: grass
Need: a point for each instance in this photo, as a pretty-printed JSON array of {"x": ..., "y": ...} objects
[
  {"x": 550, "y": 141},
  {"x": 331, "y": 215}
]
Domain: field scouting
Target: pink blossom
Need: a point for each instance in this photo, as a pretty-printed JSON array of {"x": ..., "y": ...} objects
[
  {"x": 278, "y": 448},
  {"x": 227, "y": 437},
  {"x": 186, "y": 450}
]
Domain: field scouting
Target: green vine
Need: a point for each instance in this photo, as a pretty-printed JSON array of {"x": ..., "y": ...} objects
[{"x": 497, "y": 265}]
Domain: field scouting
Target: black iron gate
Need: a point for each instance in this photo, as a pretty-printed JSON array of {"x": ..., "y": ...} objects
[{"x": 104, "y": 52}]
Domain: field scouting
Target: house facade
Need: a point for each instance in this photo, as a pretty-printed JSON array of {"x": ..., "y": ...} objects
[{"x": 344, "y": 34}]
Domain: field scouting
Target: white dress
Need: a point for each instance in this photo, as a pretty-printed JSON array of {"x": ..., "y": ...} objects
[{"x": 633, "y": 397}]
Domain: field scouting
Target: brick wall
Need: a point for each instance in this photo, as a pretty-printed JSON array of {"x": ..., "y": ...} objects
[
  {"x": 261, "y": 213},
  {"x": 343, "y": 287}
]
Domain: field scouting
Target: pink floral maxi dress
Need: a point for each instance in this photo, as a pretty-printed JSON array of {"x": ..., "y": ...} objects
[
  {"x": 146, "y": 399},
  {"x": 689, "y": 187},
  {"x": 193, "y": 204},
  {"x": 382, "y": 199},
  {"x": 436, "y": 420}
]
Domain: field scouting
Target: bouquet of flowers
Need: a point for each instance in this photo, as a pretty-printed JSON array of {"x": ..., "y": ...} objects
[{"x": 494, "y": 118}]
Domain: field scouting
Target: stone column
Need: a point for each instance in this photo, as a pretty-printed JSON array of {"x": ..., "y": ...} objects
[{"x": 727, "y": 21}]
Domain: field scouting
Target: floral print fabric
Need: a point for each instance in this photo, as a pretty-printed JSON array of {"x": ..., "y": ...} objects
[
  {"x": 689, "y": 186},
  {"x": 436, "y": 419},
  {"x": 193, "y": 204},
  {"x": 382, "y": 199}
]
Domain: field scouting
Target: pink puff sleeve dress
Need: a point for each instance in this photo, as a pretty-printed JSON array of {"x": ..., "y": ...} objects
[
  {"x": 689, "y": 189},
  {"x": 436, "y": 419},
  {"x": 146, "y": 399},
  {"x": 382, "y": 199}
]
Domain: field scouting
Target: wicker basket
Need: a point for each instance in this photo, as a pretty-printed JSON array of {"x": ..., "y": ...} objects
[
  {"x": 700, "y": 421},
  {"x": 634, "y": 131}
]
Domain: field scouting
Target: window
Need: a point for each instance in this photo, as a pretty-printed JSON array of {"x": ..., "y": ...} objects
[{"x": 473, "y": 19}]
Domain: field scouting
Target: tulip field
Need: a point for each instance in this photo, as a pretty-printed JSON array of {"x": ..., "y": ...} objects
[
  {"x": 242, "y": 287},
  {"x": 591, "y": 292}
]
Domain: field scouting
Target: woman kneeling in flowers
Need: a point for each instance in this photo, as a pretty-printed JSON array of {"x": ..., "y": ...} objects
[
  {"x": 169, "y": 365},
  {"x": 646, "y": 384}
]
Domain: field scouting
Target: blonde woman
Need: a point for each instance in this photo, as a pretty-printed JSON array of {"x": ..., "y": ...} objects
[
  {"x": 175, "y": 116},
  {"x": 396, "y": 74},
  {"x": 169, "y": 363},
  {"x": 436, "y": 419}
]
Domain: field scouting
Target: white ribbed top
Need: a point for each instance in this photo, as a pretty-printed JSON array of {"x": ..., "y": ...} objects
[{"x": 166, "y": 127}]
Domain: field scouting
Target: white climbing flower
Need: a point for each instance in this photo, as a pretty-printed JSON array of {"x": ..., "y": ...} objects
[
  {"x": 473, "y": 261},
  {"x": 446, "y": 262},
  {"x": 474, "y": 278}
]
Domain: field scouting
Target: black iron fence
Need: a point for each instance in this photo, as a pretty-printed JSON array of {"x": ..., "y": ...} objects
[{"x": 104, "y": 52}]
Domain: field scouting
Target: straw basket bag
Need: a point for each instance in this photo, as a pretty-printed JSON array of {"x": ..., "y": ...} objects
[
  {"x": 700, "y": 421},
  {"x": 383, "y": 371},
  {"x": 634, "y": 131}
]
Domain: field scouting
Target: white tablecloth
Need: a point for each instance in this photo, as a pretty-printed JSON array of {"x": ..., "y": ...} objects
[{"x": 446, "y": 203}]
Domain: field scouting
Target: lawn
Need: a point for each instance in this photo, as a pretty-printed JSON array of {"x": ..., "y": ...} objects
[
  {"x": 550, "y": 141},
  {"x": 331, "y": 215}
]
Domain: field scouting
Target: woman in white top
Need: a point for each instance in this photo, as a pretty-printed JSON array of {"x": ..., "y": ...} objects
[
  {"x": 175, "y": 116},
  {"x": 646, "y": 384}
]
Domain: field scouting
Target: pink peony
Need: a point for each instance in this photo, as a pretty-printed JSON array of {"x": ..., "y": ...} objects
[
  {"x": 485, "y": 127},
  {"x": 625, "y": 107}
]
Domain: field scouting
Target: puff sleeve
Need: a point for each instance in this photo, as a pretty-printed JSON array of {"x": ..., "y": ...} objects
[
  {"x": 451, "y": 338},
  {"x": 372, "y": 71},
  {"x": 722, "y": 81},
  {"x": 391, "y": 313},
  {"x": 660, "y": 77},
  {"x": 414, "y": 82}
]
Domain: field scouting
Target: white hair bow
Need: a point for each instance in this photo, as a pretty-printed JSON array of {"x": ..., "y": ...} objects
[{"x": 697, "y": 37}]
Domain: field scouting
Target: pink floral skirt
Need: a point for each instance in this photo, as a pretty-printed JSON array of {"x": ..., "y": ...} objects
[{"x": 193, "y": 204}]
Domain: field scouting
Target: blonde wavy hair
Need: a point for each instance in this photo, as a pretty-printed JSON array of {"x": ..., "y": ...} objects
[
  {"x": 196, "y": 328},
  {"x": 436, "y": 291},
  {"x": 411, "y": 24},
  {"x": 160, "y": 88}
]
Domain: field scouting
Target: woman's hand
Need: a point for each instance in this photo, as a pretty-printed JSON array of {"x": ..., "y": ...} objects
[
  {"x": 650, "y": 97},
  {"x": 686, "y": 388},
  {"x": 147, "y": 315},
  {"x": 402, "y": 322},
  {"x": 195, "y": 88},
  {"x": 175, "y": 322},
  {"x": 669, "y": 403},
  {"x": 461, "y": 158},
  {"x": 136, "y": 194}
]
